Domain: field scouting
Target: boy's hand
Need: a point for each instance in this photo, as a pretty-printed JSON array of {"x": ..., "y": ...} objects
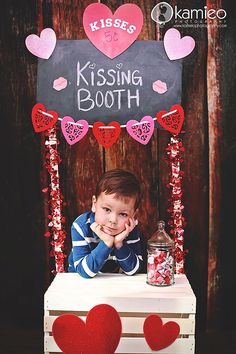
[
  {"x": 118, "y": 240},
  {"x": 107, "y": 239}
]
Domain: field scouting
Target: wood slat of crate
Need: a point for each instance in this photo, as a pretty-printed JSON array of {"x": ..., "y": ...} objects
[{"x": 132, "y": 298}]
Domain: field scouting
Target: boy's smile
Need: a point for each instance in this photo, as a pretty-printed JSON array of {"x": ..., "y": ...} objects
[{"x": 112, "y": 212}]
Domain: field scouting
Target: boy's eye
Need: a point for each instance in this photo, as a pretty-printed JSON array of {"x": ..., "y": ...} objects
[
  {"x": 124, "y": 215},
  {"x": 106, "y": 209}
]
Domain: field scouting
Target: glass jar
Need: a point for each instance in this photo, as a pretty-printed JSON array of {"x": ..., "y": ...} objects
[{"x": 160, "y": 258}]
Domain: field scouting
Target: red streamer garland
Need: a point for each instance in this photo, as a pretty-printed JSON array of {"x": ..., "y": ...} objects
[
  {"x": 175, "y": 151},
  {"x": 52, "y": 161}
]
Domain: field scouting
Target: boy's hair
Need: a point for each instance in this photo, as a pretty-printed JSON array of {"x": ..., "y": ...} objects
[{"x": 120, "y": 182}]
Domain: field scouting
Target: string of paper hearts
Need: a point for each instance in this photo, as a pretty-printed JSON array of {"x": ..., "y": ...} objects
[{"x": 107, "y": 135}]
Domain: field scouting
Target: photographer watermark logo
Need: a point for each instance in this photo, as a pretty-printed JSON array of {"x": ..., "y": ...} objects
[{"x": 164, "y": 12}]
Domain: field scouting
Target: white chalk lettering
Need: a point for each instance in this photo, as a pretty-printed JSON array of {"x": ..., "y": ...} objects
[
  {"x": 87, "y": 98},
  {"x": 131, "y": 97},
  {"x": 79, "y": 73},
  {"x": 93, "y": 83}
]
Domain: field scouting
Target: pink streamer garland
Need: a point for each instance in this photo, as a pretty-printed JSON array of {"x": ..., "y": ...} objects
[
  {"x": 57, "y": 220},
  {"x": 177, "y": 223}
]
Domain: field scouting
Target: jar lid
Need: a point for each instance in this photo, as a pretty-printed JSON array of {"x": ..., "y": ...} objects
[
  {"x": 160, "y": 238},
  {"x": 160, "y": 244}
]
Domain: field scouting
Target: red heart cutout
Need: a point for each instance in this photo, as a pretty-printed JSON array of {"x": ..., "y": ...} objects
[
  {"x": 69, "y": 332},
  {"x": 100, "y": 334},
  {"x": 106, "y": 136},
  {"x": 41, "y": 119},
  {"x": 157, "y": 335},
  {"x": 173, "y": 121}
]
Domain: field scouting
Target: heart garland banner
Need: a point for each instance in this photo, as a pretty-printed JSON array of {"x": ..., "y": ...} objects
[{"x": 107, "y": 135}]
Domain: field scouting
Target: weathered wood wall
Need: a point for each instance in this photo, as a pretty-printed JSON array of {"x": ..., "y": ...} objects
[{"x": 210, "y": 140}]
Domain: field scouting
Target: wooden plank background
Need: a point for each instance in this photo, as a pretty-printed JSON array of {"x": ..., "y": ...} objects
[{"x": 209, "y": 140}]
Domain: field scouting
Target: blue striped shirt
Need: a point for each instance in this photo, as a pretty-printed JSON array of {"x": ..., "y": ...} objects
[{"x": 90, "y": 255}]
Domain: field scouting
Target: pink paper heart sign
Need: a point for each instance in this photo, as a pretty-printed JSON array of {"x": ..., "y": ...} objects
[
  {"x": 159, "y": 335},
  {"x": 141, "y": 131},
  {"x": 73, "y": 131},
  {"x": 177, "y": 47},
  {"x": 112, "y": 34},
  {"x": 42, "y": 46}
]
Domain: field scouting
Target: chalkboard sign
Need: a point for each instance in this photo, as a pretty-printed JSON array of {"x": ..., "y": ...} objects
[{"x": 103, "y": 89}]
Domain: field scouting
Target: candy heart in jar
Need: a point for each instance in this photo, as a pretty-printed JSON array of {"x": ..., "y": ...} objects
[{"x": 160, "y": 259}]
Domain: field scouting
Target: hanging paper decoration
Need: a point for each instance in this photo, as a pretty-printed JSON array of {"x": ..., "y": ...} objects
[
  {"x": 73, "y": 132},
  {"x": 56, "y": 199},
  {"x": 177, "y": 47},
  {"x": 73, "y": 335},
  {"x": 172, "y": 120},
  {"x": 175, "y": 152},
  {"x": 141, "y": 131},
  {"x": 108, "y": 134},
  {"x": 158, "y": 335},
  {"x": 41, "y": 119},
  {"x": 42, "y": 46},
  {"x": 112, "y": 34}
]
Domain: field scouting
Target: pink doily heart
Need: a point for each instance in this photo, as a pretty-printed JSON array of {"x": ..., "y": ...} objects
[
  {"x": 112, "y": 34},
  {"x": 177, "y": 47},
  {"x": 42, "y": 46},
  {"x": 141, "y": 131},
  {"x": 73, "y": 132}
]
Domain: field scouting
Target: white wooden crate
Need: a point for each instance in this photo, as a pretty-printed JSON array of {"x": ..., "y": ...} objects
[{"x": 132, "y": 298}]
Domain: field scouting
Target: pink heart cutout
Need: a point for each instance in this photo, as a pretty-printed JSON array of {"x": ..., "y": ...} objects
[
  {"x": 42, "y": 46},
  {"x": 112, "y": 34},
  {"x": 73, "y": 132},
  {"x": 177, "y": 47},
  {"x": 141, "y": 132}
]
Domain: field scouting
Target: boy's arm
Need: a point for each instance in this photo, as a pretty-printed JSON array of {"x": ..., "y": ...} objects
[
  {"x": 87, "y": 262},
  {"x": 129, "y": 255}
]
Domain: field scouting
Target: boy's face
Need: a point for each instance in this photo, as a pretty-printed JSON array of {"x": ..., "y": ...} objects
[{"x": 113, "y": 213}]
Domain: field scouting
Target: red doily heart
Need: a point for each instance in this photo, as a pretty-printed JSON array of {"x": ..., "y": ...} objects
[
  {"x": 100, "y": 334},
  {"x": 41, "y": 119},
  {"x": 172, "y": 120},
  {"x": 106, "y": 136},
  {"x": 157, "y": 335}
]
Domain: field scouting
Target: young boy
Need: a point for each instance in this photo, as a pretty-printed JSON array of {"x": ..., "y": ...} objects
[{"x": 107, "y": 238}]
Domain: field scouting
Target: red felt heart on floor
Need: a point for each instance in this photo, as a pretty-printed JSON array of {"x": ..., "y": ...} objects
[
  {"x": 100, "y": 334},
  {"x": 172, "y": 120},
  {"x": 43, "y": 119},
  {"x": 157, "y": 335},
  {"x": 106, "y": 136}
]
